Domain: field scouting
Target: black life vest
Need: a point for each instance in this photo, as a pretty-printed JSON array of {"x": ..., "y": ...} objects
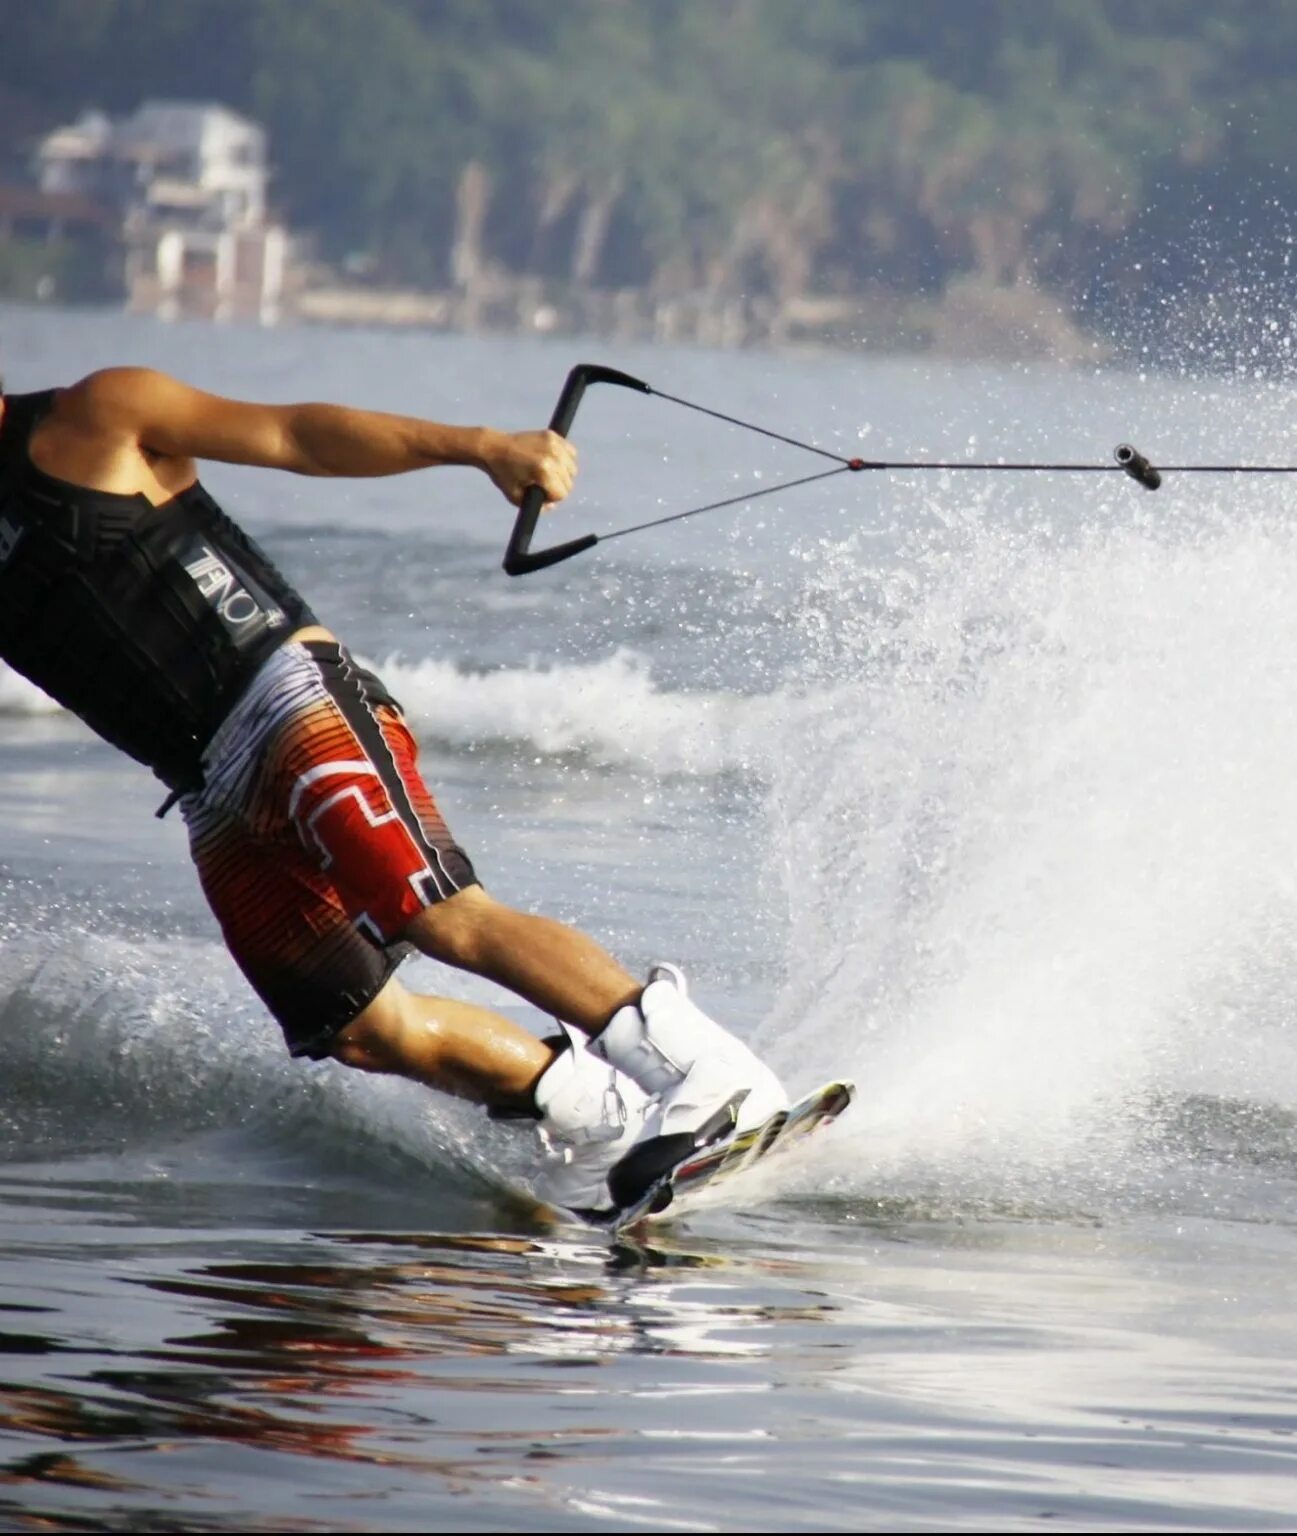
[{"x": 147, "y": 622}]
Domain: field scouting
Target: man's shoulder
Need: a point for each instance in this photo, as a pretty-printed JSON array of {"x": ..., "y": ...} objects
[
  {"x": 111, "y": 408},
  {"x": 108, "y": 395}
]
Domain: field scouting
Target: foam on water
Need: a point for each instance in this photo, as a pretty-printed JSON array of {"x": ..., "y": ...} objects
[
  {"x": 611, "y": 711},
  {"x": 1041, "y": 835}
]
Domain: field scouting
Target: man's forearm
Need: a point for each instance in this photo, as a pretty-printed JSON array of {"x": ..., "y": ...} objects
[{"x": 337, "y": 440}]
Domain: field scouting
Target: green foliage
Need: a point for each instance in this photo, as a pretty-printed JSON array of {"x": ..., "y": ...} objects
[{"x": 719, "y": 143}]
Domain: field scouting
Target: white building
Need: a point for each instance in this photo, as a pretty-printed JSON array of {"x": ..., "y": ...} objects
[{"x": 188, "y": 181}]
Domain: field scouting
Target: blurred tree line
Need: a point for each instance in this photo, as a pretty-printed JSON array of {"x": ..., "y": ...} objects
[{"x": 757, "y": 146}]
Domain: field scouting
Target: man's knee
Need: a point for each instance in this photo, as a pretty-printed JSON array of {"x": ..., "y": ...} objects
[
  {"x": 378, "y": 1039},
  {"x": 457, "y": 931}
]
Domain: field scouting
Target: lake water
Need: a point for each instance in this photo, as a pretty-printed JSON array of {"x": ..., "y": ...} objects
[{"x": 976, "y": 788}]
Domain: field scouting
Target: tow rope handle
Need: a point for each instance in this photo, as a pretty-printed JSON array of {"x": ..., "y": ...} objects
[{"x": 519, "y": 557}]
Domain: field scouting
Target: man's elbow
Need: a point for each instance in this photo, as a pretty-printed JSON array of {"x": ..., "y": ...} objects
[{"x": 304, "y": 442}]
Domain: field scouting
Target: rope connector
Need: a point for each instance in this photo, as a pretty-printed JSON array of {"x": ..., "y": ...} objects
[{"x": 1137, "y": 466}]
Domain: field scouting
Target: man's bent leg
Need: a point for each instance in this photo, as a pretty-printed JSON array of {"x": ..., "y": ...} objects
[
  {"x": 655, "y": 1036},
  {"x": 456, "y": 1047},
  {"x": 556, "y": 968}
]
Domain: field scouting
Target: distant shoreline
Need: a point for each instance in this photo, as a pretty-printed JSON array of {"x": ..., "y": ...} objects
[{"x": 971, "y": 320}]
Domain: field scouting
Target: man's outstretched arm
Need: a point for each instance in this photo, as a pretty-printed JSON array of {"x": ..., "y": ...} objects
[{"x": 174, "y": 420}]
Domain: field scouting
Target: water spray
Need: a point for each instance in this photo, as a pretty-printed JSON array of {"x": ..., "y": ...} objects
[{"x": 520, "y": 559}]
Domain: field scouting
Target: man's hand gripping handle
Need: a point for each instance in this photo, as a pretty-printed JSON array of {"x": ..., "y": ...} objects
[{"x": 519, "y": 558}]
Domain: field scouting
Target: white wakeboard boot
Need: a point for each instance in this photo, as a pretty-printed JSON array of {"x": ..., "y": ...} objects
[
  {"x": 688, "y": 1063},
  {"x": 590, "y": 1116}
]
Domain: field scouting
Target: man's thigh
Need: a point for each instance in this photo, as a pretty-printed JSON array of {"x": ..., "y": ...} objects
[{"x": 288, "y": 930}]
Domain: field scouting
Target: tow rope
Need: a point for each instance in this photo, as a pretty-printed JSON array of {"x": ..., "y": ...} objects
[{"x": 520, "y": 558}]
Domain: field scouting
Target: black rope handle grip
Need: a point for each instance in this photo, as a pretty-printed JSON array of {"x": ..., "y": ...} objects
[{"x": 519, "y": 557}]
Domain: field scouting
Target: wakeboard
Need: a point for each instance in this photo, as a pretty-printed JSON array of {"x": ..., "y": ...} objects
[{"x": 709, "y": 1166}]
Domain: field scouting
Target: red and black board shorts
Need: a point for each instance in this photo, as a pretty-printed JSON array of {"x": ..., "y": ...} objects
[{"x": 316, "y": 840}]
